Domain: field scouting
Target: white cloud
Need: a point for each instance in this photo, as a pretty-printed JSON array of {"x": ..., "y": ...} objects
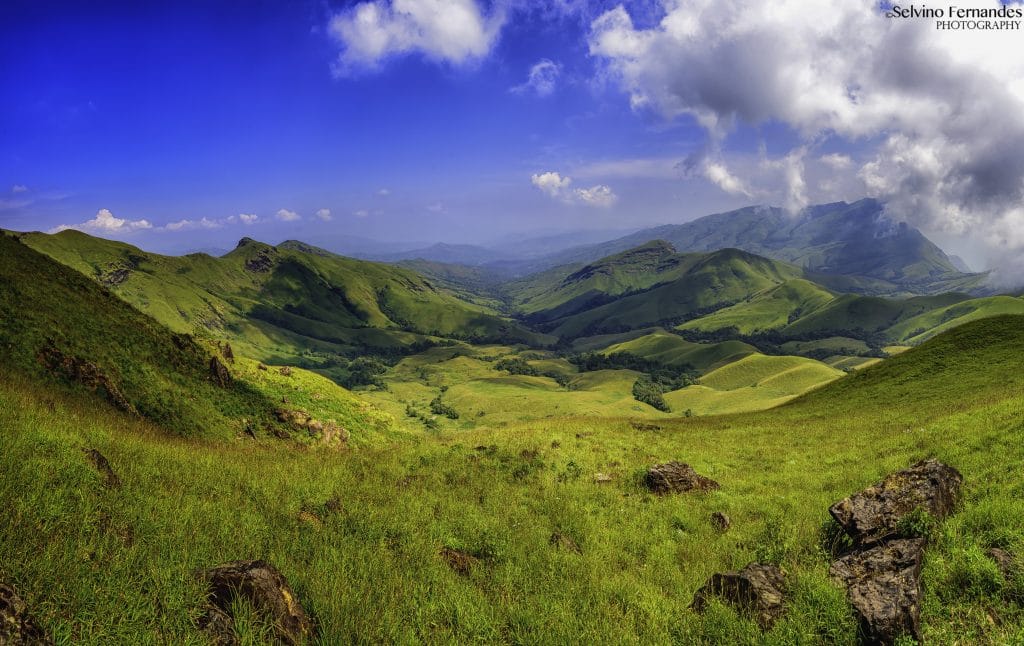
[
  {"x": 436, "y": 207},
  {"x": 325, "y": 215},
  {"x": 938, "y": 115},
  {"x": 383, "y": 192},
  {"x": 451, "y": 31},
  {"x": 19, "y": 188},
  {"x": 837, "y": 161},
  {"x": 552, "y": 184},
  {"x": 542, "y": 78},
  {"x": 247, "y": 218},
  {"x": 188, "y": 225},
  {"x": 599, "y": 195},
  {"x": 105, "y": 222},
  {"x": 361, "y": 213},
  {"x": 285, "y": 215}
]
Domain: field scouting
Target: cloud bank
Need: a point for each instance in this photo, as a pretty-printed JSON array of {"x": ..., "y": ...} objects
[
  {"x": 105, "y": 222},
  {"x": 939, "y": 113}
]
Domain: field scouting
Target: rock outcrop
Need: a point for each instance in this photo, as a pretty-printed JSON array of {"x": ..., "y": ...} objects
[
  {"x": 459, "y": 560},
  {"x": 721, "y": 521},
  {"x": 874, "y": 514},
  {"x": 882, "y": 573},
  {"x": 86, "y": 373},
  {"x": 219, "y": 373},
  {"x": 757, "y": 589},
  {"x": 883, "y": 584},
  {"x": 17, "y": 626},
  {"x": 262, "y": 585},
  {"x": 677, "y": 477}
]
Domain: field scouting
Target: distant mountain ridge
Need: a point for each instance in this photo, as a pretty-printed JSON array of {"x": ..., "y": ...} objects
[{"x": 848, "y": 247}]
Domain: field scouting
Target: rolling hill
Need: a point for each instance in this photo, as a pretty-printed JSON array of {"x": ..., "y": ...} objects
[{"x": 280, "y": 302}]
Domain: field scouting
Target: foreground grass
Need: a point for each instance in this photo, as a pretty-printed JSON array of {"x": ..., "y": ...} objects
[{"x": 115, "y": 566}]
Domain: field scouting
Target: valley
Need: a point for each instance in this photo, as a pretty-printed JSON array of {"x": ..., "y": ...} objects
[{"x": 357, "y": 423}]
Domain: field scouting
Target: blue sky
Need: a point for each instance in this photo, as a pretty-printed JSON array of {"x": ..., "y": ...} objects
[{"x": 466, "y": 121}]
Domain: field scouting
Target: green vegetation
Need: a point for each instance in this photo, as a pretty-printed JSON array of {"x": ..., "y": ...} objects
[{"x": 105, "y": 565}]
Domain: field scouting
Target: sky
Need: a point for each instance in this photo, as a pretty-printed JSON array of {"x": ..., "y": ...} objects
[{"x": 188, "y": 125}]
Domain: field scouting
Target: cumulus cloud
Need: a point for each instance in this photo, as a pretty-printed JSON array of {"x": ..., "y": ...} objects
[
  {"x": 542, "y": 78},
  {"x": 285, "y": 215},
  {"x": 554, "y": 185},
  {"x": 939, "y": 115},
  {"x": 324, "y": 215},
  {"x": 105, "y": 222},
  {"x": 360, "y": 213},
  {"x": 450, "y": 31},
  {"x": 19, "y": 188},
  {"x": 247, "y": 218}
]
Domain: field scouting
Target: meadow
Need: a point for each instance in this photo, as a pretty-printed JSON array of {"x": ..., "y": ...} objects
[{"x": 103, "y": 565}]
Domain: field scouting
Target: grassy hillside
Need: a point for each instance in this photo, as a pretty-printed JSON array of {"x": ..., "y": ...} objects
[
  {"x": 847, "y": 247},
  {"x": 672, "y": 350},
  {"x": 102, "y": 565},
  {"x": 280, "y": 303},
  {"x": 62, "y": 329},
  {"x": 772, "y": 309},
  {"x": 711, "y": 282}
]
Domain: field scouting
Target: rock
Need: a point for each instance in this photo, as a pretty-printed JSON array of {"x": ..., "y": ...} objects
[
  {"x": 333, "y": 504},
  {"x": 101, "y": 464},
  {"x": 285, "y": 370},
  {"x": 643, "y": 426},
  {"x": 262, "y": 585},
  {"x": 227, "y": 352},
  {"x": 677, "y": 477},
  {"x": 219, "y": 626},
  {"x": 17, "y": 626},
  {"x": 602, "y": 478},
  {"x": 564, "y": 542},
  {"x": 83, "y": 372},
  {"x": 219, "y": 373},
  {"x": 261, "y": 366},
  {"x": 757, "y": 589},
  {"x": 1004, "y": 560},
  {"x": 458, "y": 560},
  {"x": 260, "y": 263},
  {"x": 883, "y": 584},
  {"x": 874, "y": 514},
  {"x": 721, "y": 521}
]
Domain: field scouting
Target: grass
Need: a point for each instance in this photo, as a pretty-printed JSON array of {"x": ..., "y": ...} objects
[{"x": 111, "y": 566}]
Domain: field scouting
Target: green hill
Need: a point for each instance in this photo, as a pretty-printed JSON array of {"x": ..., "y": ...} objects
[
  {"x": 772, "y": 309},
  {"x": 62, "y": 330},
  {"x": 672, "y": 350},
  {"x": 704, "y": 283},
  {"x": 281, "y": 302},
  {"x": 846, "y": 247}
]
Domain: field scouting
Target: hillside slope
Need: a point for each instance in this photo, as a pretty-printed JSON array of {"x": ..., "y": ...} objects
[{"x": 279, "y": 301}]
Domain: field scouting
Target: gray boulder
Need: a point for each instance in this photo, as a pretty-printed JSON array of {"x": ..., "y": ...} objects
[
  {"x": 756, "y": 589},
  {"x": 677, "y": 477},
  {"x": 883, "y": 584},
  {"x": 874, "y": 514}
]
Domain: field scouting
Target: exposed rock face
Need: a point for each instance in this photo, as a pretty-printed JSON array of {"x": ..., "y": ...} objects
[
  {"x": 458, "y": 560},
  {"x": 261, "y": 263},
  {"x": 85, "y": 373},
  {"x": 883, "y": 584},
  {"x": 266, "y": 589},
  {"x": 873, "y": 514},
  {"x": 677, "y": 477},
  {"x": 757, "y": 589},
  {"x": 721, "y": 521},
  {"x": 17, "y": 627},
  {"x": 219, "y": 373},
  {"x": 101, "y": 464}
]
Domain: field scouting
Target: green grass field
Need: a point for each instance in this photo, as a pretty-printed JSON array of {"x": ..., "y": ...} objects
[{"x": 102, "y": 566}]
